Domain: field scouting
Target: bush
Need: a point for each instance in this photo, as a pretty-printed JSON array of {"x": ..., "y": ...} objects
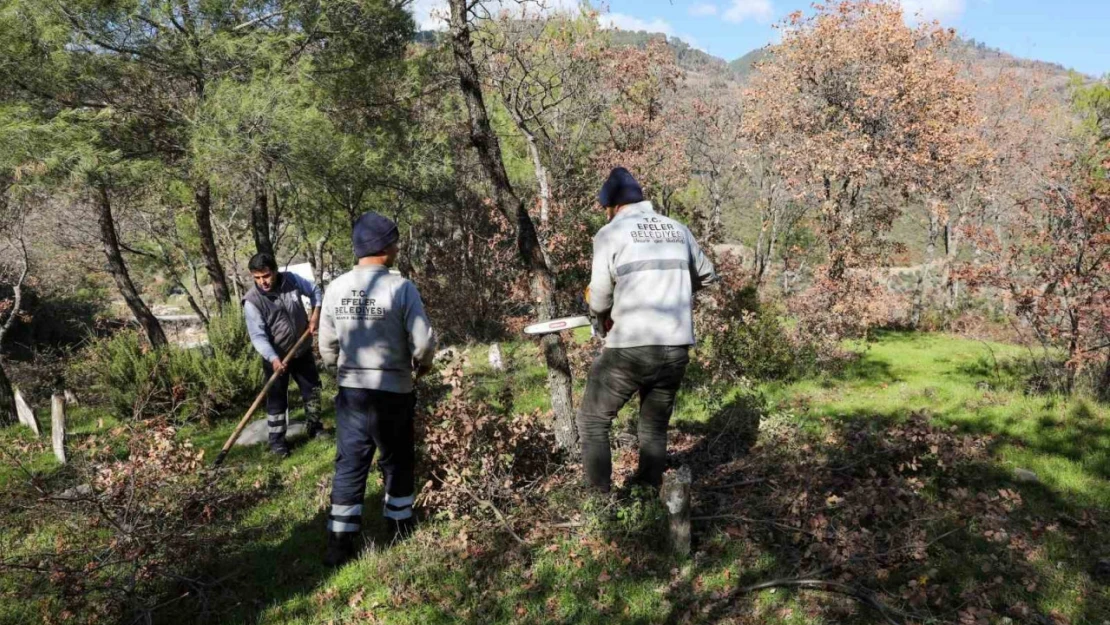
[
  {"x": 740, "y": 337},
  {"x": 183, "y": 384}
]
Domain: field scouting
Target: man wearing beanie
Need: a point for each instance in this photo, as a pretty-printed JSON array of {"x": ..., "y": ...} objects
[
  {"x": 375, "y": 332},
  {"x": 275, "y": 320},
  {"x": 646, "y": 268}
]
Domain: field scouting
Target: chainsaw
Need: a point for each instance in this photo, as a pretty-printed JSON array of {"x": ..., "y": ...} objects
[{"x": 598, "y": 326}]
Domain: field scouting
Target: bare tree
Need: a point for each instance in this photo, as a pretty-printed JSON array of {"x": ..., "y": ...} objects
[
  {"x": 13, "y": 233},
  {"x": 486, "y": 144}
]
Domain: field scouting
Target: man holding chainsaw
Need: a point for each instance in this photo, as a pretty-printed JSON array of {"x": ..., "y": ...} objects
[
  {"x": 276, "y": 319},
  {"x": 646, "y": 268},
  {"x": 375, "y": 332}
]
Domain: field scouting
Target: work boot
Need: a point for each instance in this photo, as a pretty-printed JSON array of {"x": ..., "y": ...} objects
[
  {"x": 401, "y": 529},
  {"x": 342, "y": 547},
  {"x": 280, "y": 449},
  {"x": 315, "y": 429}
]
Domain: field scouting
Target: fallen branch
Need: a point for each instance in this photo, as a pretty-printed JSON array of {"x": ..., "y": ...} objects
[
  {"x": 771, "y": 522},
  {"x": 485, "y": 503},
  {"x": 859, "y": 594}
]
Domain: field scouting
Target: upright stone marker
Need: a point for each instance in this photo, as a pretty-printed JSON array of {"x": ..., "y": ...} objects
[
  {"x": 58, "y": 426},
  {"x": 495, "y": 360},
  {"x": 676, "y": 496},
  {"x": 71, "y": 399},
  {"x": 26, "y": 415}
]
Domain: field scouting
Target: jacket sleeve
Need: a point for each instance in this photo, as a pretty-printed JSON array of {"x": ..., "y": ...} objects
[
  {"x": 256, "y": 329},
  {"x": 308, "y": 289},
  {"x": 422, "y": 339},
  {"x": 601, "y": 276},
  {"x": 701, "y": 268},
  {"x": 328, "y": 338}
]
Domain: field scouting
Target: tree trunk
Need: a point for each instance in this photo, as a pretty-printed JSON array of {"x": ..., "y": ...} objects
[
  {"x": 118, "y": 269},
  {"x": 7, "y": 399},
  {"x": 923, "y": 275},
  {"x": 260, "y": 220},
  {"x": 512, "y": 208},
  {"x": 318, "y": 260},
  {"x": 541, "y": 174},
  {"x": 208, "y": 248}
]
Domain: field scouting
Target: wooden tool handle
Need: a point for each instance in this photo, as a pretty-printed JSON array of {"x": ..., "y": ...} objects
[{"x": 258, "y": 400}]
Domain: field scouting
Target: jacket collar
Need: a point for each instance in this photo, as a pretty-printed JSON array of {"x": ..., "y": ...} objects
[{"x": 635, "y": 210}]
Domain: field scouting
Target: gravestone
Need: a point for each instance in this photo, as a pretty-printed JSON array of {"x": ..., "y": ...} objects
[
  {"x": 495, "y": 359},
  {"x": 26, "y": 415},
  {"x": 58, "y": 426}
]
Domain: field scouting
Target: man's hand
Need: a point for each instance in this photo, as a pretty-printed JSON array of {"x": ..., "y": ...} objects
[
  {"x": 420, "y": 369},
  {"x": 314, "y": 321},
  {"x": 278, "y": 365}
]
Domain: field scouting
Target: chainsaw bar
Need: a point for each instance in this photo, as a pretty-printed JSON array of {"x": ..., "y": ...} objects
[{"x": 557, "y": 325}]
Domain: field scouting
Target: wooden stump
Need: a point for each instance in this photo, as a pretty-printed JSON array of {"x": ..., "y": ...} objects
[
  {"x": 26, "y": 415},
  {"x": 58, "y": 426},
  {"x": 676, "y": 496}
]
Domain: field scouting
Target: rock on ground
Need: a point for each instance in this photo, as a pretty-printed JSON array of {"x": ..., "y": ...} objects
[{"x": 258, "y": 432}]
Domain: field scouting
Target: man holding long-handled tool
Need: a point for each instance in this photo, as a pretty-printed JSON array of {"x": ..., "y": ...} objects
[
  {"x": 375, "y": 331},
  {"x": 276, "y": 319},
  {"x": 646, "y": 268}
]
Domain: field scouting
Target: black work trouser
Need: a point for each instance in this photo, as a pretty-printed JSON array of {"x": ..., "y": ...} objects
[
  {"x": 366, "y": 420},
  {"x": 655, "y": 372},
  {"x": 303, "y": 370}
]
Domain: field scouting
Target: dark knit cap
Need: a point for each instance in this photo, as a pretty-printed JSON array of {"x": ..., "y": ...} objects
[
  {"x": 620, "y": 189},
  {"x": 373, "y": 233}
]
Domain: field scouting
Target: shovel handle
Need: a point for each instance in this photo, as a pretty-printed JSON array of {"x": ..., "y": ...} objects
[{"x": 258, "y": 400}]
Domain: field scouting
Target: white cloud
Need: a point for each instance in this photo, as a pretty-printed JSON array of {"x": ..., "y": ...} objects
[
  {"x": 942, "y": 10},
  {"x": 621, "y": 21},
  {"x": 703, "y": 9},
  {"x": 740, "y": 10}
]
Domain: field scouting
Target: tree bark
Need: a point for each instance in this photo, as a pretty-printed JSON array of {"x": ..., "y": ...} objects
[
  {"x": 7, "y": 399},
  {"x": 208, "y": 250},
  {"x": 541, "y": 174},
  {"x": 923, "y": 275},
  {"x": 260, "y": 220},
  {"x": 512, "y": 208},
  {"x": 110, "y": 241}
]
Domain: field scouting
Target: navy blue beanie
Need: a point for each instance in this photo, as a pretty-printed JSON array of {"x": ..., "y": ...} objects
[
  {"x": 620, "y": 189},
  {"x": 373, "y": 233}
]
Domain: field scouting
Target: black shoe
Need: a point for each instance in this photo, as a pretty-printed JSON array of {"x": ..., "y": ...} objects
[
  {"x": 342, "y": 547},
  {"x": 315, "y": 430},
  {"x": 401, "y": 529},
  {"x": 280, "y": 450}
]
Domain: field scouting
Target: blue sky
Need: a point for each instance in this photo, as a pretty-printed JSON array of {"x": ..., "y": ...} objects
[{"x": 1074, "y": 33}]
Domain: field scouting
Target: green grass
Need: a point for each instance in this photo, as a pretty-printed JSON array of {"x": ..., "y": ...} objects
[{"x": 612, "y": 570}]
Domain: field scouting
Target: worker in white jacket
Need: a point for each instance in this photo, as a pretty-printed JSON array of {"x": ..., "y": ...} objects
[
  {"x": 375, "y": 333},
  {"x": 646, "y": 268}
]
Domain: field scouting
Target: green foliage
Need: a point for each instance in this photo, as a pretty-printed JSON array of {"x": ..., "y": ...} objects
[
  {"x": 183, "y": 384},
  {"x": 742, "y": 337}
]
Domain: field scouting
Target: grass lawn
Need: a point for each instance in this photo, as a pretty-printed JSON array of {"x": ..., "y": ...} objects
[{"x": 827, "y": 489}]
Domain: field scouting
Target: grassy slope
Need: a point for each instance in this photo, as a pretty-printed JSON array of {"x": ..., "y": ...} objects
[{"x": 609, "y": 571}]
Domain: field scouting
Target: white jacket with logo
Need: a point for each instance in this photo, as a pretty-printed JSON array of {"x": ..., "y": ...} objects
[
  {"x": 373, "y": 326},
  {"x": 646, "y": 268}
]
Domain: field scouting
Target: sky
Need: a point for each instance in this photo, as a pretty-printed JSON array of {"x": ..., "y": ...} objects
[{"x": 1073, "y": 33}]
